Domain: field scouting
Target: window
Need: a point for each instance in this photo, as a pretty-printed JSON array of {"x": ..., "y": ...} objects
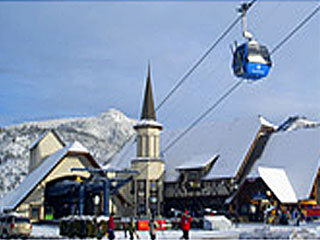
[
  {"x": 35, "y": 212},
  {"x": 139, "y": 146},
  {"x": 141, "y": 185},
  {"x": 257, "y": 50},
  {"x": 193, "y": 175}
]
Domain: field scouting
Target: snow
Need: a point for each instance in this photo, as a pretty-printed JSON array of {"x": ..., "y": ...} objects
[
  {"x": 241, "y": 231},
  {"x": 216, "y": 223},
  {"x": 45, "y": 231},
  {"x": 298, "y": 153},
  {"x": 148, "y": 122},
  {"x": 77, "y": 147},
  {"x": 297, "y": 122},
  {"x": 230, "y": 140},
  {"x": 267, "y": 123},
  {"x": 103, "y": 135},
  {"x": 198, "y": 161},
  {"x": 278, "y": 182}
]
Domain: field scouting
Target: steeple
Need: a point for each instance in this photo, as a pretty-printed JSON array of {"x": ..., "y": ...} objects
[
  {"x": 147, "y": 160},
  {"x": 148, "y": 105}
]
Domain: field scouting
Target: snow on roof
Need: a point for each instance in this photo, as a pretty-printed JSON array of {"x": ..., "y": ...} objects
[
  {"x": 198, "y": 161},
  {"x": 77, "y": 147},
  {"x": 38, "y": 140},
  {"x": 298, "y": 153},
  {"x": 277, "y": 180},
  {"x": 230, "y": 140},
  {"x": 297, "y": 122},
  {"x": 267, "y": 123},
  {"x": 13, "y": 198},
  {"x": 148, "y": 122}
]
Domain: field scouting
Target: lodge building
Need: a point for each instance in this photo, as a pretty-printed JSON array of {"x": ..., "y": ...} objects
[{"x": 238, "y": 164}]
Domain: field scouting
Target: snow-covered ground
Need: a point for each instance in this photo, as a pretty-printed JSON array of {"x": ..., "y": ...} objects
[{"x": 242, "y": 231}]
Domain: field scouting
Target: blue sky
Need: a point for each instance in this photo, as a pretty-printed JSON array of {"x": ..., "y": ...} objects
[{"x": 65, "y": 59}]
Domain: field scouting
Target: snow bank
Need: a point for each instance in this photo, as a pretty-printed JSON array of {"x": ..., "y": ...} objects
[{"x": 216, "y": 223}]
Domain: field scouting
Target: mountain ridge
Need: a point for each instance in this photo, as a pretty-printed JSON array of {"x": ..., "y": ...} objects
[{"x": 103, "y": 135}]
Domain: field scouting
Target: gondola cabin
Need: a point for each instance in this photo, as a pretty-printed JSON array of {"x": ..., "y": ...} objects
[{"x": 251, "y": 61}]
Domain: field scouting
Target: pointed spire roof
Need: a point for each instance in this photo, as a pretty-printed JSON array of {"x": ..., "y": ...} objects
[{"x": 148, "y": 105}]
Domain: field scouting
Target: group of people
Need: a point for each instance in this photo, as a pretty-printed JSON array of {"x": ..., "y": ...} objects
[
  {"x": 185, "y": 225},
  {"x": 284, "y": 216}
]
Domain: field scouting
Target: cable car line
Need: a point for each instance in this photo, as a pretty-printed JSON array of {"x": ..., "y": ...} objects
[
  {"x": 234, "y": 87},
  {"x": 295, "y": 30},
  {"x": 238, "y": 84},
  {"x": 203, "y": 115},
  {"x": 198, "y": 62}
]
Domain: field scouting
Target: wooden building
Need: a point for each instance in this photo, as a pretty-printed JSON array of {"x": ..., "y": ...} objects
[{"x": 51, "y": 162}]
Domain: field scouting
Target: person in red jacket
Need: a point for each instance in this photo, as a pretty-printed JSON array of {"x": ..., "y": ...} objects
[
  {"x": 185, "y": 223},
  {"x": 111, "y": 235}
]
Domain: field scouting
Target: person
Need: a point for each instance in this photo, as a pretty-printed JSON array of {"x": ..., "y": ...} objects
[
  {"x": 132, "y": 229},
  {"x": 153, "y": 225},
  {"x": 185, "y": 224},
  {"x": 125, "y": 229},
  {"x": 296, "y": 215},
  {"x": 111, "y": 235}
]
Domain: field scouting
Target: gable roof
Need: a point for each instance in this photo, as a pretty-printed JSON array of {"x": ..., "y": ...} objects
[
  {"x": 298, "y": 153},
  {"x": 15, "y": 197},
  {"x": 42, "y": 136},
  {"x": 230, "y": 140},
  {"x": 277, "y": 180}
]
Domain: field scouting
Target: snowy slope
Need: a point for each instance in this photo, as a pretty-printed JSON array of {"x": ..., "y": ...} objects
[{"x": 103, "y": 135}]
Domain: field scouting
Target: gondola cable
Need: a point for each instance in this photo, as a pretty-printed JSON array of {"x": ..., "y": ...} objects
[
  {"x": 202, "y": 58},
  {"x": 237, "y": 85},
  {"x": 195, "y": 66},
  {"x": 285, "y": 39},
  {"x": 203, "y": 115}
]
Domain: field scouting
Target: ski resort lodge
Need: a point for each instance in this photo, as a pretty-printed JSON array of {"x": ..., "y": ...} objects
[{"x": 238, "y": 165}]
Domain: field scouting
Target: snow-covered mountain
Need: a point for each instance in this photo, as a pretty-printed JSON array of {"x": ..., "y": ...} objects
[{"x": 104, "y": 135}]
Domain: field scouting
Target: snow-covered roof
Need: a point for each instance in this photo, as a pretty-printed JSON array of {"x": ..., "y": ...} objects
[
  {"x": 148, "y": 122},
  {"x": 297, "y": 122},
  {"x": 230, "y": 140},
  {"x": 277, "y": 180},
  {"x": 78, "y": 147},
  {"x": 197, "y": 162},
  {"x": 267, "y": 123},
  {"x": 298, "y": 153},
  {"x": 39, "y": 139},
  {"x": 13, "y": 198}
]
